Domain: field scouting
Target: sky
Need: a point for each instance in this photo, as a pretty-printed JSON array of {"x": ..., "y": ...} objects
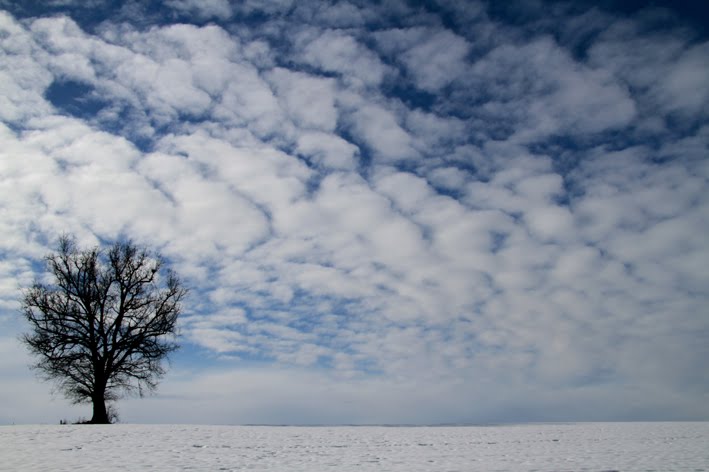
[{"x": 387, "y": 212}]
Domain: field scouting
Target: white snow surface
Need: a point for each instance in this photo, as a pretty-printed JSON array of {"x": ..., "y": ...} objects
[{"x": 542, "y": 447}]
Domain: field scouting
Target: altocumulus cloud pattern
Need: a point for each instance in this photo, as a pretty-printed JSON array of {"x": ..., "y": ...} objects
[{"x": 408, "y": 212}]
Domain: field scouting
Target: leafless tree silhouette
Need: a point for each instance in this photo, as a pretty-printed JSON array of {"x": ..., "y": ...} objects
[{"x": 104, "y": 325}]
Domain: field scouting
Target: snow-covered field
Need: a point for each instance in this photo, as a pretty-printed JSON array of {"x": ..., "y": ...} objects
[{"x": 547, "y": 447}]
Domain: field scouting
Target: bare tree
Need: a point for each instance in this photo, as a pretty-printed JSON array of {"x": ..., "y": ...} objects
[{"x": 104, "y": 325}]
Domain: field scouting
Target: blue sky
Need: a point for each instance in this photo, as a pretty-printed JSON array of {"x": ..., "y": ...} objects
[{"x": 413, "y": 212}]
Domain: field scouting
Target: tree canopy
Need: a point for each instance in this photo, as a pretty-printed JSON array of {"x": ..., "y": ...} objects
[{"x": 102, "y": 327}]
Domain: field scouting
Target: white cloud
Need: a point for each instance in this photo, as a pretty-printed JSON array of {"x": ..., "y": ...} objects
[
  {"x": 82, "y": 162},
  {"x": 685, "y": 89},
  {"x": 541, "y": 88},
  {"x": 328, "y": 150},
  {"x": 310, "y": 101},
  {"x": 348, "y": 244},
  {"x": 340, "y": 14},
  {"x": 250, "y": 101},
  {"x": 267, "y": 176},
  {"x": 577, "y": 263},
  {"x": 266, "y": 6},
  {"x": 550, "y": 223},
  {"x": 437, "y": 61},
  {"x": 448, "y": 177},
  {"x": 203, "y": 9},
  {"x": 667, "y": 71},
  {"x": 337, "y": 52},
  {"x": 381, "y": 131},
  {"x": 433, "y": 133},
  {"x": 23, "y": 80},
  {"x": 541, "y": 187}
]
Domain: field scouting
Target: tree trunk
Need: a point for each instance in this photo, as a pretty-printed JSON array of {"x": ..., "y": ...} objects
[{"x": 100, "y": 412}]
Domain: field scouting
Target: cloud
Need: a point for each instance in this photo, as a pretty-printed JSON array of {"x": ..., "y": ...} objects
[
  {"x": 667, "y": 68},
  {"x": 310, "y": 101},
  {"x": 549, "y": 223},
  {"x": 556, "y": 94},
  {"x": 434, "y": 58},
  {"x": 337, "y": 52},
  {"x": 383, "y": 216},
  {"x": 380, "y": 130},
  {"x": 24, "y": 79},
  {"x": 328, "y": 150},
  {"x": 339, "y": 14},
  {"x": 220, "y": 9}
]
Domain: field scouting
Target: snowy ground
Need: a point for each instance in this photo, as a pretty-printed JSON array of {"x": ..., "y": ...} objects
[{"x": 565, "y": 447}]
